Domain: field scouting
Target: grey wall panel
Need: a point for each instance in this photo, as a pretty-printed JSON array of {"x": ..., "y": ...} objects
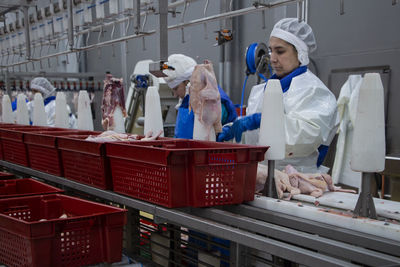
[{"x": 367, "y": 34}]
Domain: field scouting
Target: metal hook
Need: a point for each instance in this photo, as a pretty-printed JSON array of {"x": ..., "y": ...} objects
[
  {"x": 113, "y": 31},
  {"x": 127, "y": 26},
  {"x": 87, "y": 38},
  {"x": 144, "y": 21},
  {"x": 48, "y": 59},
  {"x": 182, "y": 20},
  {"x": 263, "y": 19}
]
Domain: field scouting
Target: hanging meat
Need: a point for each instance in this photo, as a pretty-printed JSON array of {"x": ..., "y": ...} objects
[
  {"x": 113, "y": 98},
  {"x": 205, "y": 99}
]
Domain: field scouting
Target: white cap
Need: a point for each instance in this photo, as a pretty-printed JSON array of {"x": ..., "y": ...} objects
[
  {"x": 298, "y": 34},
  {"x": 183, "y": 66},
  {"x": 42, "y": 85}
]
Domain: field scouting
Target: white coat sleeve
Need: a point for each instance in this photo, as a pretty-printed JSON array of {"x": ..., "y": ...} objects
[{"x": 310, "y": 116}]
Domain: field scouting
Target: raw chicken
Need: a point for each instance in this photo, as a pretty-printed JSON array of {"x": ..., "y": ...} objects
[
  {"x": 282, "y": 182},
  {"x": 205, "y": 99},
  {"x": 113, "y": 97},
  {"x": 290, "y": 180},
  {"x": 314, "y": 184},
  {"x": 111, "y": 136}
]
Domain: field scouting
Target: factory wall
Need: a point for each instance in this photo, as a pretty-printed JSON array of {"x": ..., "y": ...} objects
[{"x": 365, "y": 36}]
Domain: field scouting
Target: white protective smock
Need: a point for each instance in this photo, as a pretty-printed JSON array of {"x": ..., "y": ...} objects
[
  {"x": 50, "y": 109},
  {"x": 347, "y": 108},
  {"x": 310, "y": 118}
]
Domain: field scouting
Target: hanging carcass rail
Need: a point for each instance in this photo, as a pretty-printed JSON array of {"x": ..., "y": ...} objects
[{"x": 66, "y": 26}]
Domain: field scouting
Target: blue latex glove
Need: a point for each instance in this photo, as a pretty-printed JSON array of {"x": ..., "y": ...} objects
[
  {"x": 226, "y": 134},
  {"x": 241, "y": 125}
]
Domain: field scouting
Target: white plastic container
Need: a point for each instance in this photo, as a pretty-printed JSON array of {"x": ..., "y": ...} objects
[
  {"x": 153, "y": 117},
  {"x": 6, "y": 110},
  {"x": 85, "y": 121},
  {"x": 62, "y": 116},
  {"x": 272, "y": 128},
  {"x": 369, "y": 147},
  {"x": 39, "y": 114}
]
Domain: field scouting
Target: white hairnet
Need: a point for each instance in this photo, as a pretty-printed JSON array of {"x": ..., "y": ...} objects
[
  {"x": 298, "y": 34},
  {"x": 42, "y": 85},
  {"x": 183, "y": 66}
]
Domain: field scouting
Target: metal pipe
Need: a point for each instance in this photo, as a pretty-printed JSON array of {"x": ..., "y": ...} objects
[
  {"x": 70, "y": 25},
  {"x": 231, "y": 14},
  {"x": 137, "y": 27},
  {"x": 26, "y": 30},
  {"x": 341, "y": 7},
  {"x": 89, "y": 47},
  {"x": 300, "y": 11},
  {"x": 163, "y": 29},
  {"x": 365, "y": 206}
]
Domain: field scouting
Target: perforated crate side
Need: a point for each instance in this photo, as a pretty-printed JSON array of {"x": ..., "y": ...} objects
[
  {"x": 45, "y": 159},
  {"x": 15, "y": 152},
  {"x": 155, "y": 183},
  {"x": 86, "y": 168}
]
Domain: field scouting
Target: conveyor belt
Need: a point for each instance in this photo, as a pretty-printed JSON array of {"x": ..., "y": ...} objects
[{"x": 296, "y": 239}]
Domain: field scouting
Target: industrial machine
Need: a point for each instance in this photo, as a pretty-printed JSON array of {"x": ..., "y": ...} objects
[{"x": 141, "y": 79}]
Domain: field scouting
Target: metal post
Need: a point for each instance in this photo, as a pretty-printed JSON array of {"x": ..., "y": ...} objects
[
  {"x": 163, "y": 6},
  {"x": 300, "y": 14},
  {"x": 7, "y": 82},
  {"x": 137, "y": 27},
  {"x": 269, "y": 187},
  {"x": 26, "y": 30},
  {"x": 365, "y": 206},
  {"x": 70, "y": 25}
]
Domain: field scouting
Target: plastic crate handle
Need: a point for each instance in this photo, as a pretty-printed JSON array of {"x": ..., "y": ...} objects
[{"x": 78, "y": 224}]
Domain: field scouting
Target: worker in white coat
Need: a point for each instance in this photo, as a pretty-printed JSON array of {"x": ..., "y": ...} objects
[
  {"x": 310, "y": 110},
  {"x": 43, "y": 86}
]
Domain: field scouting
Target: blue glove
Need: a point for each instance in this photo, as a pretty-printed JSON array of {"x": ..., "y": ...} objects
[
  {"x": 241, "y": 125},
  {"x": 226, "y": 134}
]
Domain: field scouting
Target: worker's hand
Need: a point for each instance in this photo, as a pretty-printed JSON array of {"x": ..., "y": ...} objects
[
  {"x": 246, "y": 123},
  {"x": 226, "y": 134}
]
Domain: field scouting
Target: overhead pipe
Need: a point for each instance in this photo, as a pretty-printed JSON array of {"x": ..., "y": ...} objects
[
  {"x": 231, "y": 14},
  {"x": 26, "y": 30},
  {"x": 80, "y": 49}
]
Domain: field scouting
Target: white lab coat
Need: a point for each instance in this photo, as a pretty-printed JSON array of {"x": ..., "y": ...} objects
[
  {"x": 50, "y": 110},
  {"x": 347, "y": 107},
  {"x": 310, "y": 119}
]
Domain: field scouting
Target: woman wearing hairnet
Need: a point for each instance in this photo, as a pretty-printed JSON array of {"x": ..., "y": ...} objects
[
  {"x": 178, "y": 80},
  {"x": 43, "y": 86},
  {"x": 310, "y": 108}
]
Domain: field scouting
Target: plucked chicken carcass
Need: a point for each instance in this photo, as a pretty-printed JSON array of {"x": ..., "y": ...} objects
[
  {"x": 205, "y": 99},
  {"x": 111, "y": 136},
  {"x": 294, "y": 182},
  {"x": 113, "y": 97}
]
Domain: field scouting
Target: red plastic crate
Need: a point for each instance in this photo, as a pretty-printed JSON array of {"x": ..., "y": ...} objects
[
  {"x": 25, "y": 187},
  {"x": 42, "y": 149},
  {"x": 33, "y": 234},
  {"x": 6, "y": 175},
  {"x": 14, "y": 149},
  {"x": 84, "y": 161},
  {"x": 5, "y": 126},
  {"x": 183, "y": 173}
]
